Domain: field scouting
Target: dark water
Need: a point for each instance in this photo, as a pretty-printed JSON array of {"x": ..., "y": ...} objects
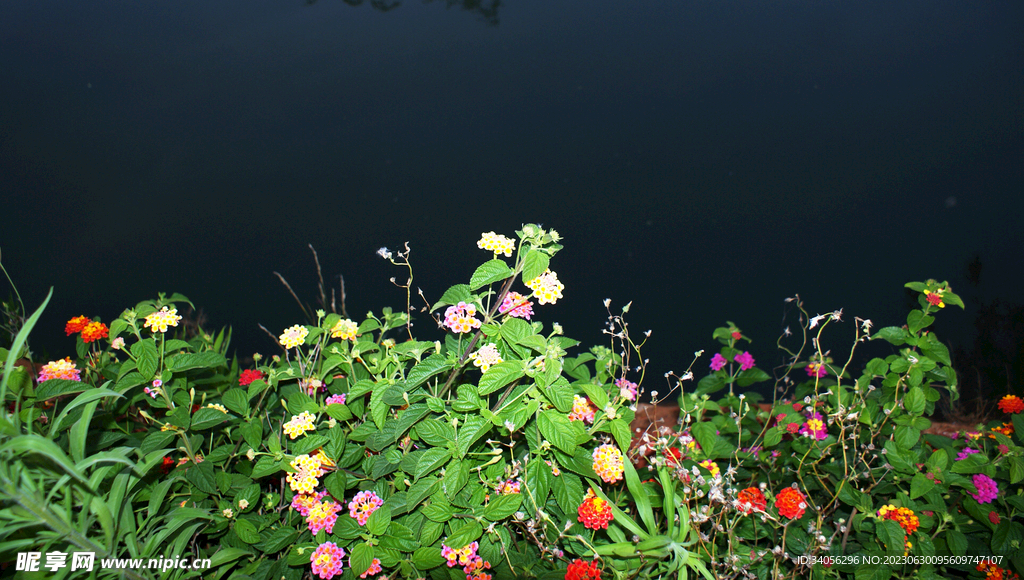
[{"x": 703, "y": 159}]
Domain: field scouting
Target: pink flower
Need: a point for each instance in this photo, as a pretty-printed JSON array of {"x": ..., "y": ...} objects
[
  {"x": 248, "y": 376},
  {"x": 322, "y": 516},
  {"x": 516, "y": 305},
  {"x": 746, "y": 361},
  {"x": 987, "y": 488},
  {"x": 816, "y": 370},
  {"x": 328, "y": 560},
  {"x": 627, "y": 389},
  {"x": 814, "y": 427},
  {"x": 965, "y": 453},
  {"x": 336, "y": 399},
  {"x": 718, "y": 362},
  {"x": 461, "y": 318},
  {"x": 60, "y": 369},
  {"x": 364, "y": 504}
]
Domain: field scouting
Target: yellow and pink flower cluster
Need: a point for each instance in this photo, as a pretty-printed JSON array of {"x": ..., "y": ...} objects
[{"x": 472, "y": 564}]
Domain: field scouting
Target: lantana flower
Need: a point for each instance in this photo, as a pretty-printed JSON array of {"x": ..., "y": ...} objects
[
  {"x": 461, "y": 318},
  {"x": 486, "y": 357},
  {"x": 905, "y": 517},
  {"x": 293, "y": 336},
  {"x": 546, "y": 287},
  {"x": 627, "y": 390},
  {"x": 363, "y": 505},
  {"x": 373, "y": 569},
  {"x": 516, "y": 305},
  {"x": 814, "y": 427},
  {"x": 94, "y": 331},
  {"x": 509, "y": 487},
  {"x": 608, "y": 463},
  {"x": 76, "y": 325},
  {"x": 1011, "y": 404},
  {"x": 336, "y": 399},
  {"x": 746, "y": 361},
  {"x": 496, "y": 243},
  {"x": 306, "y": 476},
  {"x": 965, "y": 453},
  {"x": 322, "y": 516},
  {"x": 816, "y": 370},
  {"x": 751, "y": 500},
  {"x": 986, "y": 486},
  {"x": 217, "y": 406},
  {"x": 117, "y": 343},
  {"x": 344, "y": 329},
  {"x": 60, "y": 369},
  {"x": 328, "y": 560},
  {"x": 582, "y": 410},
  {"x": 299, "y": 424},
  {"x": 710, "y": 466},
  {"x": 718, "y": 362},
  {"x": 160, "y": 320},
  {"x": 935, "y": 298},
  {"x": 303, "y": 502},
  {"x": 248, "y": 376},
  {"x": 580, "y": 570},
  {"x": 791, "y": 503},
  {"x": 594, "y": 512}
]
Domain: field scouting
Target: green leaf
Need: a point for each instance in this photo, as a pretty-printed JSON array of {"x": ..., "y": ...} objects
[
  {"x": 147, "y": 357},
  {"x": 431, "y": 460},
  {"x": 189, "y": 361},
  {"x": 56, "y": 387},
  {"x": 920, "y": 485},
  {"x": 468, "y": 533},
  {"x": 427, "y": 557},
  {"x": 906, "y": 437},
  {"x": 473, "y": 429},
  {"x": 892, "y": 535},
  {"x": 555, "y": 427},
  {"x": 309, "y": 444},
  {"x": 237, "y": 401},
  {"x": 772, "y": 437},
  {"x": 893, "y": 334},
  {"x": 502, "y": 506},
  {"x": 1016, "y": 469},
  {"x": 205, "y": 418},
  {"x": 915, "y": 401},
  {"x": 456, "y": 475},
  {"x": 489, "y": 272},
  {"x": 278, "y": 540},
  {"x": 379, "y": 521},
  {"x": 534, "y": 264},
  {"x": 597, "y": 395},
  {"x": 266, "y": 465},
  {"x": 246, "y": 531},
  {"x": 82, "y": 399},
  {"x": 498, "y": 376},
  {"x": 568, "y": 491},
  {"x": 252, "y": 432},
  {"x": 620, "y": 430},
  {"x": 560, "y": 394},
  {"x": 202, "y": 477},
  {"x": 454, "y": 295},
  {"x": 957, "y": 542},
  {"x": 917, "y": 320},
  {"x": 1006, "y": 535},
  {"x": 425, "y": 369}
]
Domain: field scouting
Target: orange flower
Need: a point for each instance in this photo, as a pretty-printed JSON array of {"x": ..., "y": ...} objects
[
  {"x": 751, "y": 500},
  {"x": 580, "y": 570},
  {"x": 1006, "y": 429},
  {"x": 94, "y": 331},
  {"x": 791, "y": 503},
  {"x": 594, "y": 512},
  {"x": 76, "y": 324},
  {"x": 903, "y": 516},
  {"x": 1011, "y": 404},
  {"x": 993, "y": 572}
]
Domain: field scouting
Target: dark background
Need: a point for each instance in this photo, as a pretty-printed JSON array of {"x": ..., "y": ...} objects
[{"x": 703, "y": 159}]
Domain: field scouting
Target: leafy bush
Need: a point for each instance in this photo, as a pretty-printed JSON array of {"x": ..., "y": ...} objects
[{"x": 361, "y": 451}]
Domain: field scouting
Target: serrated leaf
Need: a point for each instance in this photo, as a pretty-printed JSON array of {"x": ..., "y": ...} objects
[
  {"x": 147, "y": 357},
  {"x": 246, "y": 531},
  {"x": 502, "y": 506},
  {"x": 498, "y": 376},
  {"x": 620, "y": 430},
  {"x": 472, "y": 430},
  {"x": 265, "y": 466},
  {"x": 425, "y": 369},
  {"x": 236, "y": 400},
  {"x": 489, "y": 272},
  {"x": 202, "y": 477},
  {"x": 555, "y": 427},
  {"x": 920, "y": 485},
  {"x": 205, "y": 418},
  {"x": 431, "y": 460},
  {"x": 379, "y": 521},
  {"x": 188, "y": 361},
  {"x": 569, "y": 492},
  {"x": 534, "y": 264},
  {"x": 308, "y": 444},
  {"x": 915, "y": 401},
  {"x": 427, "y": 557},
  {"x": 56, "y": 387},
  {"x": 468, "y": 533}
]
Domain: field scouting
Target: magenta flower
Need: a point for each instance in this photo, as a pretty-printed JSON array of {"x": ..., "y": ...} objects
[
  {"x": 746, "y": 361},
  {"x": 816, "y": 370},
  {"x": 717, "y": 362},
  {"x": 965, "y": 453},
  {"x": 336, "y": 399},
  {"x": 814, "y": 427},
  {"x": 327, "y": 561},
  {"x": 627, "y": 389},
  {"x": 987, "y": 489},
  {"x": 516, "y": 305}
]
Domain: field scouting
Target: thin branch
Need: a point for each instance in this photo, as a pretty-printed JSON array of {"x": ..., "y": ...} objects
[
  {"x": 320, "y": 275},
  {"x": 289, "y": 287}
]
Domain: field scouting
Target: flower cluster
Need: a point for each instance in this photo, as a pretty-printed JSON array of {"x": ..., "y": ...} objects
[
  {"x": 546, "y": 287},
  {"x": 905, "y": 517},
  {"x": 1011, "y": 404},
  {"x": 322, "y": 515},
  {"x": 496, "y": 243},
  {"x": 746, "y": 361},
  {"x": 461, "y": 318},
  {"x": 986, "y": 486},
  {"x": 594, "y": 512},
  {"x": 328, "y": 560},
  {"x": 993, "y": 572},
  {"x": 791, "y": 503},
  {"x": 486, "y": 357},
  {"x": 608, "y": 463},
  {"x": 472, "y": 564},
  {"x": 814, "y": 427},
  {"x": 627, "y": 390},
  {"x": 306, "y": 476},
  {"x": 363, "y": 505},
  {"x": 580, "y": 570},
  {"x": 336, "y": 399},
  {"x": 60, "y": 369},
  {"x": 293, "y": 336},
  {"x": 94, "y": 331},
  {"x": 935, "y": 298},
  {"x": 160, "y": 320},
  {"x": 582, "y": 410},
  {"x": 710, "y": 466},
  {"x": 516, "y": 305},
  {"x": 248, "y": 376},
  {"x": 816, "y": 370},
  {"x": 509, "y": 486},
  {"x": 299, "y": 424},
  {"x": 751, "y": 500},
  {"x": 344, "y": 329},
  {"x": 76, "y": 325}
]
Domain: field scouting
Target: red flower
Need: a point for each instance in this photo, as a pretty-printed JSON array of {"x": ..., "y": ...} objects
[
  {"x": 993, "y": 517},
  {"x": 94, "y": 331},
  {"x": 736, "y": 335},
  {"x": 594, "y": 512},
  {"x": 248, "y": 376},
  {"x": 76, "y": 324},
  {"x": 751, "y": 500},
  {"x": 797, "y": 407},
  {"x": 791, "y": 503},
  {"x": 672, "y": 456},
  {"x": 580, "y": 570},
  {"x": 168, "y": 465},
  {"x": 1011, "y": 404},
  {"x": 792, "y": 427}
]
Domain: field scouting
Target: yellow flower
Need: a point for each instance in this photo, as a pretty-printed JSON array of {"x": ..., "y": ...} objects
[
  {"x": 344, "y": 329},
  {"x": 293, "y": 336},
  {"x": 496, "y": 243},
  {"x": 220, "y": 408},
  {"x": 304, "y": 478},
  {"x": 608, "y": 463},
  {"x": 546, "y": 287},
  {"x": 299, "y": 424},
  {"x": 710, "y": 466},
  {"x": 486, "y": 357},
  {"x": 159, "y": 321}
]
